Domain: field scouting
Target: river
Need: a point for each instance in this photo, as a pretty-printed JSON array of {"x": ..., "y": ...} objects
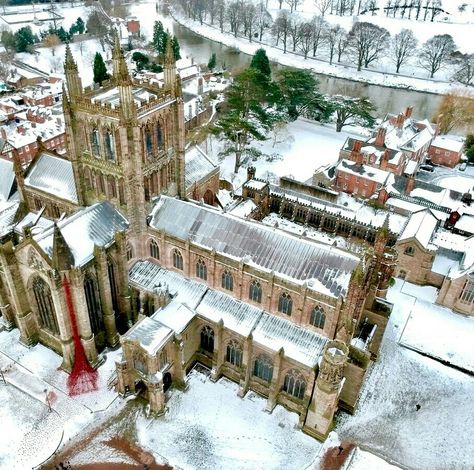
[{"x": 386, "y": 99}]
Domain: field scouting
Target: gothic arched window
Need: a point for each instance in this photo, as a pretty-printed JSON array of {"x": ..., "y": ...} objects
[
  {"x": 139, "y": 363},
  {"x": 95, "y": 146},
  {"x": 201, "y": 270},
  {"x": 159, "y": 137},
  {"x": 177, "y": 259},
  {"x": 294, "y": 384},
  {"x": 255, "y": 291},
  {"x": 93, "y": 304},
  {"x": 318, "y": 318},
  {"x": 285, "y": 304},
  {"x": 263, "y": 368},
  {"x": 154, "y": 250},
  {"x": 409, "y": 250},
  {"x": 100, "y": 184},
  {"x": 207, "y": 339},
  {"x": 109, "y": 146},
  {"x": 227, "y": 280},
  {"x": 148, "y": 143},
  {"x": 113, "y": 285},
  {"x": 129, "y": 250},
  {"x": 234, "y": 353},
  {"x": 44, "y": 302},
  {"x": 112, "y": 188}
]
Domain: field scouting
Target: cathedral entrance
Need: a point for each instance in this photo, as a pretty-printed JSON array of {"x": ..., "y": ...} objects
[
  {"x": 166, "y": 381},
  {"x": 209, "y": 197},
  {"x": 140, "y": 388}
]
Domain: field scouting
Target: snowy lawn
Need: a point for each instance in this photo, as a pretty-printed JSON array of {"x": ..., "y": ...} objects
[
  {"x": 209, "y": 427},
  {"x": 386, "y": 420},
  {"x": 434, "y": 330},
  {"x": 300, "y": 148}
]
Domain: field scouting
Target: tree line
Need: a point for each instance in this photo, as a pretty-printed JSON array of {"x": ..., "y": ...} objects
[{"x": 364, "y": 45}]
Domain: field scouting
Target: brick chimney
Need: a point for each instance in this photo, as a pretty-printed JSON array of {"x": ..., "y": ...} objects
[
  {"x": 400, "y": 120},
  {"x": 384, "y": 160},
  {"x": 380, "y": 137},
  {"x": 410, "y": 185},
  {"x": 355, "y": 152},
  {"x": 408, "y": 112}
]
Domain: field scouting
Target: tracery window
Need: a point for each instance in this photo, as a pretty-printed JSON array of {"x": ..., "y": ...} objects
[
  {"x": 154, "y": 250},
  {"x": 207, "y": 339},
  {"x": 234, "y": 353},
  {"x": 159, "y": 137},
  {"x": 177, "y": 259},
  {"x": 201, "y": 270},
  {"x": 294, "y": 384},
  {"x": 148, "y": 143},
  {"x": 227, "y": 280},
  {"x": 44, "y": 302},
  {"x": 95, "y": 146},
  {"x": 111, "y": 186},
  {"x": 93, "y": 304},
  {"x": 318, "y": 318},
  {"x": 409, "y": 250},
  {"x": 129, "y": 250},
  {"x": 109, "y": 146},
  {"x": 467, "y": 294},
  {"x": 263, "y": 368},
  {"x": 255, "y": 291},
  {"x": 285, "y": 303}
]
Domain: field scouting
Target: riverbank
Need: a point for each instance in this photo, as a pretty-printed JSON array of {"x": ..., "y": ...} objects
[{"x": 320, "y": 67}]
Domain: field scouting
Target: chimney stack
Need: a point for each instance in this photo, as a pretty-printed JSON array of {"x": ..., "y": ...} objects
[
  {"x": 380, "y": 137},
  {"x": 408, "y": 112},
  {"x": 384, "y": 160}
]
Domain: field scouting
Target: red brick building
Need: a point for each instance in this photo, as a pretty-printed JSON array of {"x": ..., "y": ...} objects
[{"x": 446, "y": 151}]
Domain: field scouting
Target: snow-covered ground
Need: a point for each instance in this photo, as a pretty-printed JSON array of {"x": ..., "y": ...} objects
[
  {"x": 301, "y": 148},
  {"x": 412, "y": 77},
  {"x": 386, "y": 420}
]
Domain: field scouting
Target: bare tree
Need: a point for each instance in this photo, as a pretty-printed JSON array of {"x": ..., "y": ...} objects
[
  {"x": 456, "y": 110},
  {"x": 294, "y": 31},
  {"x": 249, "y": 18},
  {"x": 293, "y": 4},
  {"x": 319, "y": 32},
  {"x": 403, "y": 46},
  {"x": 436, "y": 52},
  {"x": 367, "y": 41},
  {"x": 333, "y": 36},
  {"x": 263, "y": 19},
  {"x": 234, "y": 16},
  {"x": 342, "y": 43},
  {"x": 281, "y": 28},
  {"x": 220, "y": 7},
  {"x": 464, "y": 69},
  {"x": 52, "y": 41},
  {"x": 305, "y": 33},
  {"x": 323, "y": 6},
  {"x": 435, "y": 8}
]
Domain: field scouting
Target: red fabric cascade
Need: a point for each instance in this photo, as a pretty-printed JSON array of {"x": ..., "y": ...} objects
[{"x": 83, "y": 377}]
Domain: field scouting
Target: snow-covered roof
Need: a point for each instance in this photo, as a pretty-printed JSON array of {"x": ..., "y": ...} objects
[
  {"x": 418, "y": 140},
  {"x": 466, "y": 224},
  {"x": 112, "y": 97},
  {"x": 175, "y": 315},
  {"x": 255, "y": 184},
  {"x": 149, "y": 276},
  {"x": 7, "y": 179},
  {"x": 197, "y": 165},
  {"x": 448, "y": 143},
  {"x": 94, "y": 225},
  {"x": 243, "y": 209},
  {"x": 410, "y": 167},
  {"x": 53, "y": 175},
  {"x": 299, "y": 343},
  {"x": 236, "y": 315},
  {"x": 150, "y": 334},
  {"x": 37, "y": 222},
  {"x": 363, "y": 171},
  {"x": 7, "y": 215},
  {"x": 445, "y": 261},
  {"x": 421, "y": 225},
  {"x": 326, "y": 269}
]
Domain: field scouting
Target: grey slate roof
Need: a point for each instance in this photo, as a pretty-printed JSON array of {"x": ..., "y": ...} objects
[
  {"x": 53, "y": 175},
  {"x": 326, "y": 268},
  {"x": 197, "y": 166},
  {"x": 8, "y": 212},
  {"x": 94, "y": 225},
  {"x": 150, "y": 334},
  {"x": 7, "y": 179}
]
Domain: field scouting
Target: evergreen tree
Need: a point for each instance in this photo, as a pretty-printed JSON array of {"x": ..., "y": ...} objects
[
  {"x": 212, "y": 62},
  {"x": 349, "y": 110},
  {"x": 260, "y": 62},
  {"x": 100, "y": 70},
  {"x": 8, "y": 40},
  {"x": 159, "y": 37},
  {"x": 24, "y": 38},
  {"x": 63, "y": 35},
  {"x": 176, "y": 48},
  {"x": 141, "y": 60},
  {"x": 80, "y": 25}
]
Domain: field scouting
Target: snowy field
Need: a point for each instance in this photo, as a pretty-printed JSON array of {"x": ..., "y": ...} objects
[
  {"x": 386, "y": 421},
  {"x": 301, "y": 148},
  {"x": 411, "y": 76}
]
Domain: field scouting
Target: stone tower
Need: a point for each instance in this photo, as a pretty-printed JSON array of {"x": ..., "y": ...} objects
[
  {"x": 125, "y": 139},
  {"x": 329, "y": 383}
]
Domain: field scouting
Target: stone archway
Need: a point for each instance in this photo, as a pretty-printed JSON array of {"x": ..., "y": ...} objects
[
  {"x": 166, "y": 381},
  {"x": 209, "y": 197},
  {"x": 140, "y": 388}
]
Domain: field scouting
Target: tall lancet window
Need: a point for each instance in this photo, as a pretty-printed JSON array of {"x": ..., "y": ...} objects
[
  {"x": 148, "y": 143},
  {"x": 44, "y": 302},
  {"x": 95, "y": 146},
  {"x": 159, "y": 137},
  {"x": 109, "y": 146},
  {"x": 93, "y": 304}
]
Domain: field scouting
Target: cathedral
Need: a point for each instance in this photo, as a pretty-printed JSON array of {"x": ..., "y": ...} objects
[{"x": 119, "y": 240}]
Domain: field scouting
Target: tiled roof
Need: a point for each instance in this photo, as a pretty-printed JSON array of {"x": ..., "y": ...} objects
[
  {"x": 53, "y": 175},
  {"x": 197, "y": 166},
  {"x": 325, "y": 268}
]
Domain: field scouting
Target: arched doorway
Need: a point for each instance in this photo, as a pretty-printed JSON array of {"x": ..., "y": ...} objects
[
  {"x": 140, "y": 387},
  {"x": 209, "y": 197},
  {"x": 166, "y": 381}
]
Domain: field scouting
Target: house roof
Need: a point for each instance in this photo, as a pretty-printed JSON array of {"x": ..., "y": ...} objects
[
  {"x": 94, "y": 225},
  {"x": 364, "y": 171},
  {"x": 448, "y": 143},
  {"x": 421, "y": 226},
  {"x": 150, "y": 334},
  {"x": 53, "y": 175},
  {"x": 326, "y": 269}
]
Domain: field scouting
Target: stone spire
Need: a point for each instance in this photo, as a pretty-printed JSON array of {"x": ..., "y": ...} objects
[
  {"x": 169, "y": 68},
  {"x": 63, "y": 259},
  {"x": 120, "y": 69},
  {"x": 73, "y": 81}
]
